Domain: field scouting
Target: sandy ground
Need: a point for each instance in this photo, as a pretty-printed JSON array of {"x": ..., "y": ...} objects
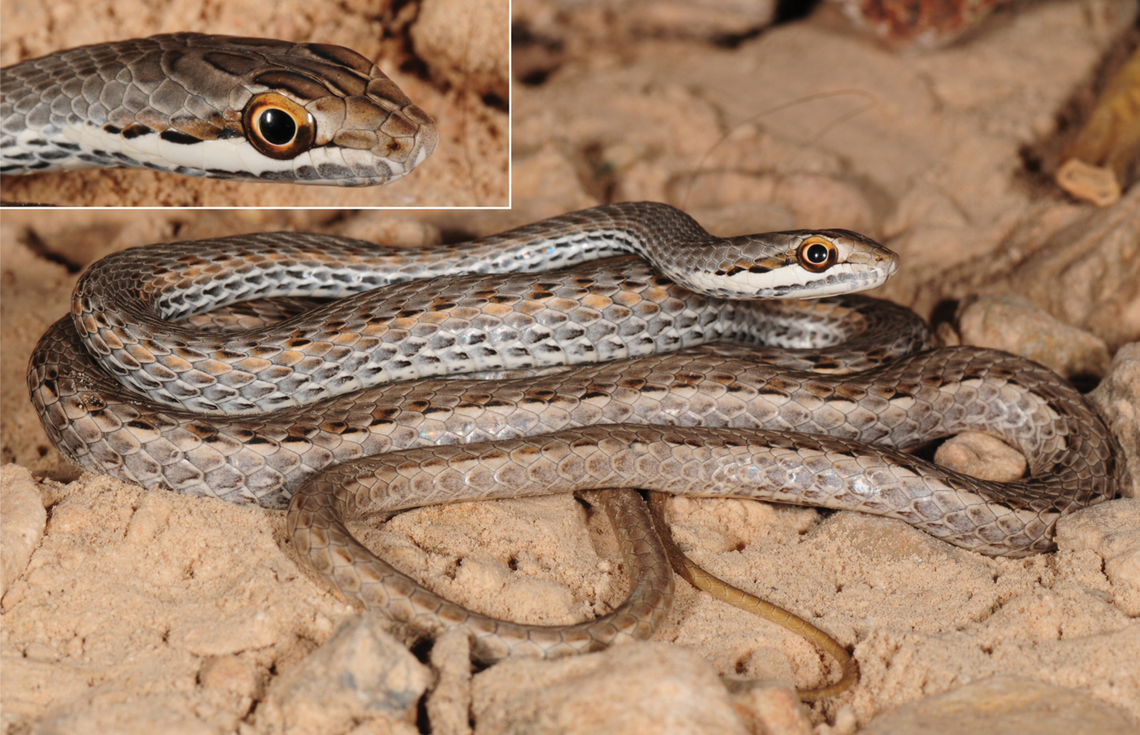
[
  {"x": 135, "y": 599},
  {"x": 450, "y": 57}
]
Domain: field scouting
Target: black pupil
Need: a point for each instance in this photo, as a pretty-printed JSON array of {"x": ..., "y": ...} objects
[
  {"x": 816, "y": 254},
  {"x": 277, "y": 127}
]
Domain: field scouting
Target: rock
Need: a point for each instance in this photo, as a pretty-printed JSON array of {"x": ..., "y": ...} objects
[
  {"x": 228, "y": 673},
  {"x": 22, "y": 522},
  {"x": 1013, "y": 323},
  {"x": 1117, "y": 399},
  {"x": 1079, "y": 263},
  {"x": 360, "y": 672},
  {"x": 1112, "y": 531},
  {"x": 1088, "y": 274},
  {"x": 1004, "y": 705},
  {"x": 467, "y": 43},
  {"x": 629, "y": 689},
  {"x": 449, "y": 703},
  {"x": 981, "y": 456},
  {"x": 770, "y": 708},
  {"x": 231, "y": 681}
]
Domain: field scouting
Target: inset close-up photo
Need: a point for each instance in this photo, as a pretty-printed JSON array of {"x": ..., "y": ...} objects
[
  {"x": 794, "y": 390},
  {"x": 141, "y": 103}
]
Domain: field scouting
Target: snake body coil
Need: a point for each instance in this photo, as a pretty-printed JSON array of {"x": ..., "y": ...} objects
[
  {"x": 217, "y": 106},
  {"x": 712, "y": 420}
]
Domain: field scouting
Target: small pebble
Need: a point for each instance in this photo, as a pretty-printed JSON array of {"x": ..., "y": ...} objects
[
  {"x": 360, "y": 672},
  {"x": 772, "y": 708},
  {"x": 228, "y": 673},
  {"x": 981, "y": 456}
]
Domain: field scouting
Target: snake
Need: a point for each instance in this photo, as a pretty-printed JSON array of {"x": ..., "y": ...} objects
[
  {"x": 559, "y": 361},
  {"x": 208, "y": 105}
]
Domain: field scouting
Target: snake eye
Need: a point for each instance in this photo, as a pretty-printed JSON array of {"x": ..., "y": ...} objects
[
  {"x": 278, "y": 127},
  {"x": 817, "y": 254}
]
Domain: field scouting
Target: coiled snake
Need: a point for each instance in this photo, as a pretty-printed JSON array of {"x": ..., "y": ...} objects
[
  {"x": 653, "y": 400},
  {"x": 218, "y": 106}
]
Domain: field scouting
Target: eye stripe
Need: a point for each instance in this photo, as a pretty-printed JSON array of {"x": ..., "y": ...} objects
[{"x": 174, "y": 136}]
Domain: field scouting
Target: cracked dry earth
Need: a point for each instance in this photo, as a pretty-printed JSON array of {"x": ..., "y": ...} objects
[{"x": 146, "y": 611}]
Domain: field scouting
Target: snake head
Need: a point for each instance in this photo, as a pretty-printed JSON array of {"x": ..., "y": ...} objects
[
  {"x": 799, "y": 264},
  {"x": 326, "y": 115}
]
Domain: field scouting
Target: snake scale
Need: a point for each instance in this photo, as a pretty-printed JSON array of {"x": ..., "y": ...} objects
[
  {"x": 206, "y": 105},
  {"x": 301, "y": 412}
]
